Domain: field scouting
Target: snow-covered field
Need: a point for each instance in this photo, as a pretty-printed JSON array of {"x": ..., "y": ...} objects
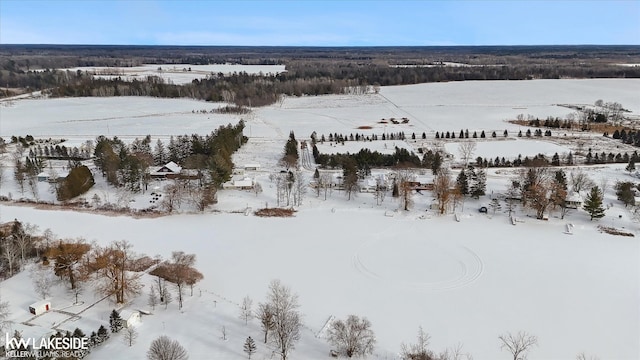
[
  {"x": 176, "y": 73},
  {"x": 491, "y": 148},
  {"x": 463, "y": 282}
]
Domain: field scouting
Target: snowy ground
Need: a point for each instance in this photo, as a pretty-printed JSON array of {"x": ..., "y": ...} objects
[
  {"x": 525, "y": 147},
  {"x": 178, "y": 74},
  {"x": 464, "y": 282}
]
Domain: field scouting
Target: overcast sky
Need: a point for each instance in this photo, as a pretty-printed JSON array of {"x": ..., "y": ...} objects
[{"x": 319, "y": 23}]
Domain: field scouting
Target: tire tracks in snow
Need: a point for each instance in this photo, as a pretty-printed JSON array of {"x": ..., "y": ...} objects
[{"x": 470, "y": 264}]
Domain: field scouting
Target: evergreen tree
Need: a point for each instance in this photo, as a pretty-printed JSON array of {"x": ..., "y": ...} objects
[
  {"x": 462, "y": 183},
  {"x": 593, "y": 204},
  {"x": 624, "y": 192},
  {"x": 290, "y": 157},
  {"x": 103, "y": 334},
  {"x": 79, "y": 181},
  {"x": 249, "y": 347},
  {"x": 436, "y": 163},
  {"x": 631, "y": 167},
  {"x": 160, "y": 154},
  {"x": 115, "y": 322},
  {"x": 561, "y": 178},
  {"x": 93, "y": 339},
  {"x": 478, "y": 183},
  {"x": 77, "y": 333}
]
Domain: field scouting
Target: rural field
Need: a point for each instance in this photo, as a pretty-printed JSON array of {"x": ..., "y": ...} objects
[{"x": 465, "y": 278}]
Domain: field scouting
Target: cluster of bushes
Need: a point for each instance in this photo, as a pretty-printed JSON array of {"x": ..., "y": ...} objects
[{"x": 631, "y": 137}]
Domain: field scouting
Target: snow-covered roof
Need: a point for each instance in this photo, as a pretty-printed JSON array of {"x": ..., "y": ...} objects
[
  {"x": 126, "y": 314},
  {"x": 40, "y": 303},
  {"x": 173, "y": 167},
  {"x": 252, "y": 166},
  {"x": 243, "y": 183},
  {"x": 169, "y": 167},
  {"x": 423, "y": 179},
  {"x": 574, "y": 197},
  {"x": 369, "y": 182}
]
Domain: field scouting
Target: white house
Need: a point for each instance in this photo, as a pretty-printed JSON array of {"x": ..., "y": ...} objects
[
  {"x": 573, "y": 200},
  {"x": 129, "y": 317},
  {"x": 368, "y": 185},
  {"x": 53, "y": 176},
  {"x": 240, "y": 183},
  {"x": 40, "y": 307}
]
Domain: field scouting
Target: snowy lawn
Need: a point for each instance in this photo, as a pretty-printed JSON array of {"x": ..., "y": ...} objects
[{"x": 463, "y": 282}]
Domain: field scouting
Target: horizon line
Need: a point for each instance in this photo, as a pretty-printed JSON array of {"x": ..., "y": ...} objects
[{"x": 314, "y": 46}]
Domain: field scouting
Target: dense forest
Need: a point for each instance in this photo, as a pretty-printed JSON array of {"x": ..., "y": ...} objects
[{"x": 310, "y": 71}]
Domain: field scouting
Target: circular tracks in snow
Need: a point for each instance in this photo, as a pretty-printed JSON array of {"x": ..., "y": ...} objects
[{"x": 418, "y": 264}]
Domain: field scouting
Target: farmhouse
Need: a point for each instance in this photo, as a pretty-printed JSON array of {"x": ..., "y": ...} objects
[
  {"x": 170, "y": 170},
  {"x": 243, "y": 183},
  {"x": 53, "y": 176},
  {"x": 40, "y": 307},
  {"x": 368, "y": 185},
  {"x": 129, "y": 317},
  {"x": 421, "y": 183},
  {"x": 573, "y": 201}
]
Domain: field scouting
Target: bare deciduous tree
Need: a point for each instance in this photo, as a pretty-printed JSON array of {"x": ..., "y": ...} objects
[
  {"x": 24, "y": 238},
  {"x": 352, "y": 337},
  {"x": 466, "y": 150},
  {"x": 172, "y": 198},
  {"x": 519, "y": 344},
  {"x": 324, "y": 183},
  {"x": 246, "y": 311},
  {"x": 454, "y": 353},
  {"x": 444, "y": 190},
  {"x": 152, "y": 300},
  {"x": 404, "y": 177},
  {"x": 130, "y": 335},
  {"x": 67, "y": 255},
  {"x": 11, "y": 254},
  {"x": 580, "y": 181},
  {"x": 299, "y": 188},
  {"x": 265, "y": 314},
  {"x": 164, "y": 348},
  {"x": 286, "y": 318},
  {"x": 257, "y": 188},
  {"x": 42, "y": 279},
  {"x": 111, "y": 264},
  {"x": 180, "y": 272},
  {"x": 202, "y": 196},
  {"x": 419, "y": 350},
  {"x": 583, "y": 356},
  {"x": 4, "y": 314}
]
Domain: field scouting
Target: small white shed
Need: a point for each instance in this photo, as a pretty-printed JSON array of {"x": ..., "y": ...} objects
[
  {"x": 40, "y": 307},
  {"x": 129, "y": 317}
]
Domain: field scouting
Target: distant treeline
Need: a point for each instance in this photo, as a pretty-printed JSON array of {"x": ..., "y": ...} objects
[{"x": 310, "y": 71}]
